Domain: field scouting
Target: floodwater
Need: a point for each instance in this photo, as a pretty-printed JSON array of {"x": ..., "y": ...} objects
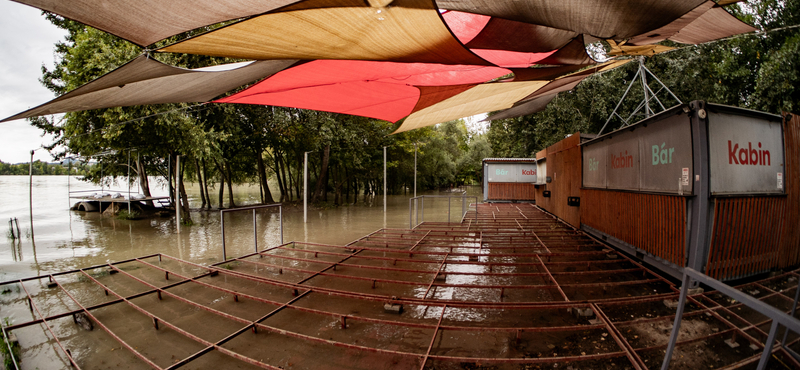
[{"x": 56, "y": 239}]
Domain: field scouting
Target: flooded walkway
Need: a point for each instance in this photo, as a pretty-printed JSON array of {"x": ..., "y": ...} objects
[{"x": 507, "y": 287}]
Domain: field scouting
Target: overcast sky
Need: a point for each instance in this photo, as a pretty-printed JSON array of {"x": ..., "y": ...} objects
[{"x": 27, "y": 41}]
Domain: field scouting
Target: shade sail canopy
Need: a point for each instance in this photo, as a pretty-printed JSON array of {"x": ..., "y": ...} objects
[
  {"x": 705, "y": 23},
  {"x": 144, "y": 22},
  {"x": 147, "y": 81},
  {"x": 538, "y": 100},
  {"x": 479, "y": 99},
  {"x": 607, "y": 19},
  {"x": 382, "y": 90},
  {"x": 408, "y": 31},
  {"x": 426, "y": 60}
]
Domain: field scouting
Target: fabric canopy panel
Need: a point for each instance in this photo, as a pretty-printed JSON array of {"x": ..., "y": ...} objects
[
  {"x": 382, "y": 90},
  {"x": 479, "y": 99},
  {"x": 147, "y": 81},
  {"x": 705, "y": 23},
  {"x": 537, "y": 101},
  {"x": 607, "y": 19},
  {"x": 506, "y": 43},
  {"x": 144, "y": 22},
  {"x": 529, "y": 107},
  {"x": 407, "y": 31}
]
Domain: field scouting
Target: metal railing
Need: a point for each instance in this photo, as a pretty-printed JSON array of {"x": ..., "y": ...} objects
[
  {"x": 416, "y": 206},
  {"x": 778, "y": 317},
  {"x": 255, "y": 225}
]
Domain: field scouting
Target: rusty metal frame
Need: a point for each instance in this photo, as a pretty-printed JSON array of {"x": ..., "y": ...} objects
[{"x": 493, "y": 227}]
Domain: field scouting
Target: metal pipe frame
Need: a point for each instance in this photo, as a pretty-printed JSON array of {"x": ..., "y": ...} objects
[
  {"x": 353, "y": 263},
  {"x": 255, "y": 225}
]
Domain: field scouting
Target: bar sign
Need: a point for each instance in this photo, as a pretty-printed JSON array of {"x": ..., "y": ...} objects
[
  {"x": 780, "y": 180},
  {"x": 685, "y": 176}
]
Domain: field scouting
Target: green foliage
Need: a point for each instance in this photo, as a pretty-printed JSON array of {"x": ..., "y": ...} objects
[
  {"x": 41, "y": 168},
  {"x": 123, "y": 214},
  {"x": 8, "y": 362}
]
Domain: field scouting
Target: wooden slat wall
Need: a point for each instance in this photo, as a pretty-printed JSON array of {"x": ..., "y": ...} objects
[
  {"x": 511, "y": 191},
  {"x": 790, "y": 243},
  {"x": 653, "y": 223},
  {"x": 564, "y": 167},
  {"x": 746, "y": 236}
]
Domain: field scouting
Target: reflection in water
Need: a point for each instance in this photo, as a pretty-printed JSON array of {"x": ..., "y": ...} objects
[{"x": 66, "y": 240}]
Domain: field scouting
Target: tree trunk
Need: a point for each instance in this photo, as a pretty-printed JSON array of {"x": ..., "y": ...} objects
[
  {"x": 200, "y": 183},
  {"x": 289, "y": 176},
  {"x": 281, "y": 177},
  {"x": 205, "y": 182},
  {"x": 230, "y": 184},
  {"x": 262, "y": 173},
  {"x": 221, "y": 182},
  {"x": 144, "y": 183},
  {"x": 186, "y": 218},
  {"x": 299, "y": 177},
  {"x": 322, "y": 180}
]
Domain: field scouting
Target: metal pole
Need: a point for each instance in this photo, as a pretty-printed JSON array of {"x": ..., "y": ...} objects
[
  {"x": 177, "y": 192},
  {"x": 794, "y": 309},
  {"x": 280, "y": 216},
  {"x": 222, "y": 225},
  {"x": 676, "y": 326},
  {"x": 305, "y": 188},
  {"x": 773, "y": 330},
  {"x": 410, "y": 220},
  {"x": 129, "y": 183},
  {"x": 448, "y": 209},
  {"x": 647, "y": 111},
  {"x": 415, "y": 170},
  {"x": 255, "y": 231},
  {"x": 422, "y": 209},
  {"x": 30, "y": 189},
  {"x": 169, "y": 180},
  {"x": 384, "y": 180}
]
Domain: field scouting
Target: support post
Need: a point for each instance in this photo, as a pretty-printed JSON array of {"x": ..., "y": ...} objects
[
  {"x": 676, "y": 326},
  {"x": 30, "y": 189},
  {"x": 305, "y": 188},
  {"x": 222, "y": 225},
  {"x": 255, "y": 231},
  {"x": 177, "y": 192},
  {"x": 280, "y": 216},
  {"x": 698, "y": 233},
  {"x": 384, "y": 180},
  {"x": 415, "y": 170},
  {"x": 129, "y": 183}
]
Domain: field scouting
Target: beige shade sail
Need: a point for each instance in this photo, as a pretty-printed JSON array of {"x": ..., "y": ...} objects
[
  {"x": 406, "y": 31},
  {"x": 636, "y": 50},
  {"x": 479, "y": 99},
  {"x": 704, "y": 23},
  {"x": 144, "y": 22},
  {"x": 607, "y": 19},
  {"x": 147, "y": 81},
  {"x": 529, "y": 107},
  {"x": 715, "y": 24},
  {"x": 538, "y": 99}
]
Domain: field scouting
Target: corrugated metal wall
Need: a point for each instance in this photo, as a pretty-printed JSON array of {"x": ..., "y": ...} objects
[
  {"x": 651, "y": 222},
  {"x": 564, "y": 168},
  {"x": 746, "y": 236},
  {"x": 756, "y": 234},
  {"x": 511, "y": 191},
  {"x": 790, "y": 243}
]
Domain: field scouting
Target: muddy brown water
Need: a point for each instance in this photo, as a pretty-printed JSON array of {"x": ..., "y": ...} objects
[
  {"x": 57, "y": 239},
  {"x": 61, "y": 239}
]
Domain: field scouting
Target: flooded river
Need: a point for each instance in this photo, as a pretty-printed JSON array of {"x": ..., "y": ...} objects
[{"x": 60, "y": 239}]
